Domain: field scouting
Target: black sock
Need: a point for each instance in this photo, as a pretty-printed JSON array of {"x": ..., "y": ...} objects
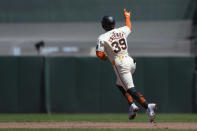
[
  {"x": 126, "y": 94},
  {"x": 138, "y": 97}
]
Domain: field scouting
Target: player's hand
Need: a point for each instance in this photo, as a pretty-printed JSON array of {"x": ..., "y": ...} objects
[
  {"x": 101, "y": 55},
  {"x": 127, "y": 14}
]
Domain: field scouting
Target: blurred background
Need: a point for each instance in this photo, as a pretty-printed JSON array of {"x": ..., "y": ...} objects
[
  {"x": 48, "y": 61},
  {"x": 71, "y": 27}
]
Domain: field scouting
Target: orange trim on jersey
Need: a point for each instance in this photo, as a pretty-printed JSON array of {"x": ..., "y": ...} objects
[{"x": 101, "y": 55}]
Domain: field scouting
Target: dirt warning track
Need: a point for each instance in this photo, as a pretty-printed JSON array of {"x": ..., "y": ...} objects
[{"x": 175, "y": 125}]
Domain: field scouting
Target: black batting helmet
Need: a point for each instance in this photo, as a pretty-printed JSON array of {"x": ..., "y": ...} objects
[{"x": 108, "y": 23}]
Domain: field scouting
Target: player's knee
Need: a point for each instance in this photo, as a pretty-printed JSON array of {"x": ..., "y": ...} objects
[{"x": 132, "y": 91}]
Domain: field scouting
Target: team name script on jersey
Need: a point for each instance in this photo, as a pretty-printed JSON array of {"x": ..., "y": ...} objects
[{"x": 115, "y": 36}]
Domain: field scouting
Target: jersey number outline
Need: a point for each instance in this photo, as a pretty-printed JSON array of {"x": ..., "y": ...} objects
[{"x": 119, "y": 45}]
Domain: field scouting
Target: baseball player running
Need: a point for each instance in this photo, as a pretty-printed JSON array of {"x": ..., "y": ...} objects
[{"x": 113, "y": 45}]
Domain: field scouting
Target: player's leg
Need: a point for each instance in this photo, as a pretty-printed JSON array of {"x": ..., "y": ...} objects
[
  {"x": 138, "y": 97},
  {"x": 151, "y": 111},
  {"x": 151, "y": 106},
  {"x": 123, "y": 90},
  {"x": 125, "y": 94},
  {"x": 124, "y": 73},
  {"x": 133, "y": 108},
  {"x": 127, "y": 81}
]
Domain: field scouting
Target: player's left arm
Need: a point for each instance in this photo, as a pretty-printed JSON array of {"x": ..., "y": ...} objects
[{"x": 100, "y": 50}]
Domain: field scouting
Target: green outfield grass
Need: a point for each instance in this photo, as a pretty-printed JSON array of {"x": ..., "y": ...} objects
[{"x": 94, "y": 118}]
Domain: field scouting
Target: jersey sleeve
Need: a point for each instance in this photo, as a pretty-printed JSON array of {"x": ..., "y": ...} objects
[
  {"x": 125, "y": 30},
  {"x": 100, "y": 45}
]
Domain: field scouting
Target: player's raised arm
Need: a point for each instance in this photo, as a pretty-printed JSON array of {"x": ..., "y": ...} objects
[{"x": 127, "y": 16}]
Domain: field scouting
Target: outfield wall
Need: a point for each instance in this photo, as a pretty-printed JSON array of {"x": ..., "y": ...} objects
[{"x": 87, "y": 85}]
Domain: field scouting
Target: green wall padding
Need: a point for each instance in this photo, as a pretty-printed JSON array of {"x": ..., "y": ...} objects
[
  {"x": 30, "y": 88},
  {"x": 9, "y": 84},
  {"x": 78, "y": 85},
  {"x": 195, "y": 92},
  {"x": 87, "y": 85},
  {"x": 21, "y": 88},
  {"x": 166, "y": 81}
]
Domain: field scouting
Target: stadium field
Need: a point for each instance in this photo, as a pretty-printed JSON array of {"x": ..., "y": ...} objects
[
  {"x": 96, "y": 122},
  {"x": 94, "y": 118},
  {"x": 86, "y": 129}
]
